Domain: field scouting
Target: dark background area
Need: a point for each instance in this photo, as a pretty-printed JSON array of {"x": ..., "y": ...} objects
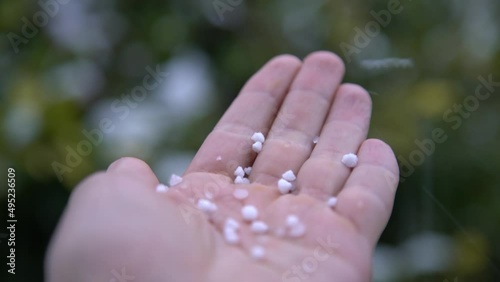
[{"x": 422, "y": 61}]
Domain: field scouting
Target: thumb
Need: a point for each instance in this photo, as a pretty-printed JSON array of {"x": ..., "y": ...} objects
[{"x": 133, "y": 168}]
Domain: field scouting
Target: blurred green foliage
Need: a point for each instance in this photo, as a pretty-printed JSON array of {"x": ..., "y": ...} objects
[{"x": 446, "y": 220}]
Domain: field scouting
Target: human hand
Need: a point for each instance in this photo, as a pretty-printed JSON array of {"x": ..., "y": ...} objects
[{"x": 115, "y": 221}]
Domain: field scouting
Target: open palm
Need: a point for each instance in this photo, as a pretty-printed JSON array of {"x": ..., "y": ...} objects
[{"x": 117, "y": 228}]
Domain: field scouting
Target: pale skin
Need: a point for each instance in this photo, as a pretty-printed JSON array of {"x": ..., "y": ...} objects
[{"x": 116, "y": 227}]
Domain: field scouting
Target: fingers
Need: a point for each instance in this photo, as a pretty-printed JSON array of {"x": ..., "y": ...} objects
[
  {"x": 323, "y": 174},
  {"x": 252, "y": 111},
  {"x": 368, "y": 195},
  {"x": 300, "y": 119}
]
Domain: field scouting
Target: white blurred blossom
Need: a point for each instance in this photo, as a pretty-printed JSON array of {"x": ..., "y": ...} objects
[
  {"x": 428, "y": 253},
  {"x": 87, "y": 27},
  {"x": 80, "y": 80},
  {"x": 388, "y": 264},
  {"x": 21, "y": 124},
  {"x": 188, "y": 91}
]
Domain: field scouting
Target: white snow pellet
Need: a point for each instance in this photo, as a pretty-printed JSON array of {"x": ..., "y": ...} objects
[
  {"x": 206, "y": 206},
  {"x": 219, "y": 158},
  {"x": 175, "y": 179},
  {"x": 257, "y": 147},
  {"x": 316, "y": 140},
  {"x": 240, "y": 194},
  {"x": 259, "y": 227},
  {"x": 258, "y": 252},
  {"x": 241, "y": 180},
  {"x": 248, "y": 170},
  {"x": 203, "y": 204},
  {"x": 332, "y": 202},
  {"x": 231, "y": 236},
  {"x": 292, "y": 220},
  {"x": 289, "y": 176},
  {"x": 231, "y": 223},
  {"x": 239, "y": 172},
  {"x": 284, "y": 186},
  {"x": 238, "y": 180},
  {"x": 350, "y": 160},
  {"x": 258, "y": 137},
  {"x": 297, "y": 230},
  {"x": 161, "y": 188},
  {"x": 249, "y": 213}
]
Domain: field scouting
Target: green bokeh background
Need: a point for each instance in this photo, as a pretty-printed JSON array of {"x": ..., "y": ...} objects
[{"x": 446, "y": 220}]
